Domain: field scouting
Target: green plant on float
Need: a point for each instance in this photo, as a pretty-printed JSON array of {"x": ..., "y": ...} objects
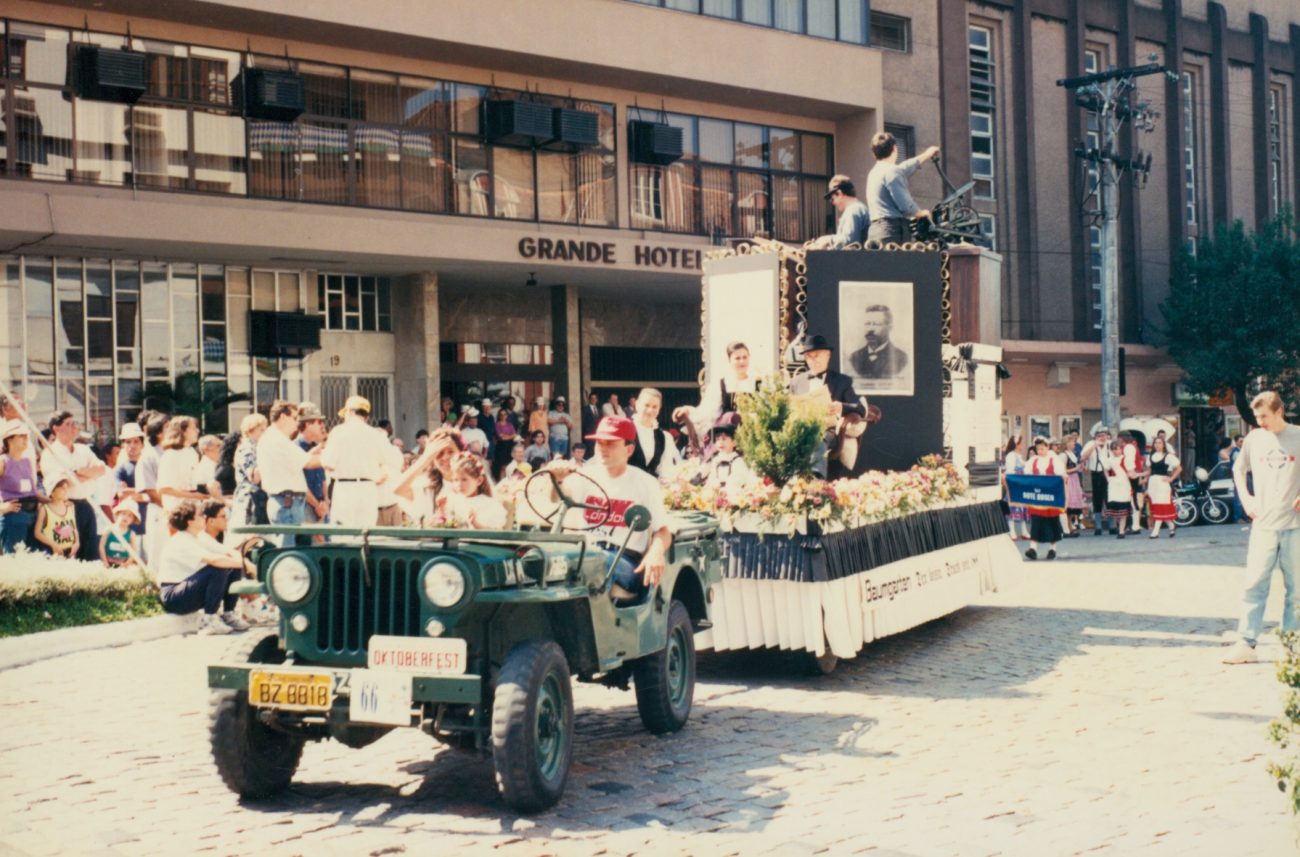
[{"x": 777, "y": 442}]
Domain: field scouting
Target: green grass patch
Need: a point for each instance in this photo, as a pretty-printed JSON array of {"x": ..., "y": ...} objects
[
  {"x": 75, "y": 611},
  {"x": 41, "y": 593}
]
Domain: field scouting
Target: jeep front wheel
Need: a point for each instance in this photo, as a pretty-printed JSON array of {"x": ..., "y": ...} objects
[
  {"x": 665, "y": 681},
  {"x": 532, "y": 726},
  {"x": 254, "y": 760}
]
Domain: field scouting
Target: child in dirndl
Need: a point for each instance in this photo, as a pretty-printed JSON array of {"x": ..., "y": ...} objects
[{"x": 1044, "y": 522}]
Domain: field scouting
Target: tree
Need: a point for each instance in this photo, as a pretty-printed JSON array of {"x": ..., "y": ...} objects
[
  {"x": 1232, "y": 310},
  {"x": 776, "y": 437},
  {"x": 190, "y": 396}
]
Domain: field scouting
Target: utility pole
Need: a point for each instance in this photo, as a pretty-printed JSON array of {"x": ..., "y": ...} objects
[{"x": 1108, "y": 94}]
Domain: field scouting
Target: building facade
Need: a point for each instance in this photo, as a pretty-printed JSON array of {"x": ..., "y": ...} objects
[{"x": 445, "y": 257}]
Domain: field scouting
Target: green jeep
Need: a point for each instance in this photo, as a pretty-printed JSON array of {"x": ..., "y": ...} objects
[{"x": 469, "y": 635}]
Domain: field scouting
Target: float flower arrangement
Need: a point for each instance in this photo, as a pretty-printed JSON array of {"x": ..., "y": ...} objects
[{"x": 778, "y": 436}]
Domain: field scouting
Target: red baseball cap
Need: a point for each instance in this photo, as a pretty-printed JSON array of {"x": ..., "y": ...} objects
[{"x": 614, "y": 428}]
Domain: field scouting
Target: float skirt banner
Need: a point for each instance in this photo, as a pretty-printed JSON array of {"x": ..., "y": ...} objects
[{"x": 1039, "y": 492}]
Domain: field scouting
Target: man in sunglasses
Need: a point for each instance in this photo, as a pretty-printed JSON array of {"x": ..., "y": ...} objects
[{"x": 853, "y": 216}]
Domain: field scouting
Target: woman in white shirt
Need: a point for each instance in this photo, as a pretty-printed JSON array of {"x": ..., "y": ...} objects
[
  {"x": 655, "y": 452},
  {"x": 193, "y": 577},
  {"x": 720, "y": 398},
  {"x": 179, "y": 459}
]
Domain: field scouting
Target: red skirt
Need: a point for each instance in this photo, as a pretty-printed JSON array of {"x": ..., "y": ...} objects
[{"x": 1163, "y": 512}]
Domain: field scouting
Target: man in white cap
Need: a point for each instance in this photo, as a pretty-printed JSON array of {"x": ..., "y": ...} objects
[
  {"x": 357, "y": 458},
  {"x": 474, "y": 438}
]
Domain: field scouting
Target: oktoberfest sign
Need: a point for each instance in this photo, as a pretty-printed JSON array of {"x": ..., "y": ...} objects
[{"x": 1043, "y": 492}]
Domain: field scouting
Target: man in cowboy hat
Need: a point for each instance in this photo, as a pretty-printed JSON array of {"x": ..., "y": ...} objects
[
  {"x": 356, "y": 456},
  {"x": 853, "y": 216},
  {"x": 845, "y": 403}
]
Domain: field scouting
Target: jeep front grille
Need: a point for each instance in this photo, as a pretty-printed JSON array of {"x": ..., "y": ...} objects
[{"x": 351, "y": 610}]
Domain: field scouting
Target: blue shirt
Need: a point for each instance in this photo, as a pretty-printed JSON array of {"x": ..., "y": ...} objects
[
  {"x": 887, "y": 193},
  {"x": 852, "y": 227},
  {"x": 315, "y": 475}
]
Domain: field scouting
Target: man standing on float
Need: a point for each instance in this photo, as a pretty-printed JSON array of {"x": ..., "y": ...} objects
[{"x": 888, "y": 198}]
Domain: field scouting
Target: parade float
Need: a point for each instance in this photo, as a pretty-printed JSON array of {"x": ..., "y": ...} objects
[{"x": 912, "y": 529}]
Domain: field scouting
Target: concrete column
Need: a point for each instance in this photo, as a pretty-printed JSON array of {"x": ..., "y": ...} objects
[
  {"x": 419, "y": 374},
  {"x": 566, "y": 342},
  {"x": 853, "y": 146}
]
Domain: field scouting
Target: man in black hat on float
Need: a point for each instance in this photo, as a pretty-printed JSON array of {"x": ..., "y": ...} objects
[
  {"x": 844, "y": 401},
  {"x": 853, "y": 216}
]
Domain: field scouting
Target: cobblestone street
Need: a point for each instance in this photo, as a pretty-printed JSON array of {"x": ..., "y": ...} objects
[{"x": 1082, "y": 709}]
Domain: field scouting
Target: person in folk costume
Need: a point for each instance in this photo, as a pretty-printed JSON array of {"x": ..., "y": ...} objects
[
  {"x": 654, "y": 452},
  {"x": 1017, "y": 514},
  {"x": 1045, "y": 522},
  {"x": 727, "y": 469},
  {"x": 1119, "y": 488},
  {"x": 1163, "y": 467},
  {"x": 720, "y": 399}
]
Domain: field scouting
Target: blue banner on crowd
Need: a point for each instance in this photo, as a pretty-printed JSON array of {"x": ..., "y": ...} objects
[{"x": 1044, "y": 492}]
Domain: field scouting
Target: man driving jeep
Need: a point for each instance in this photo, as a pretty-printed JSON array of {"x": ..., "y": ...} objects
[{"x": 642, "y": 564}]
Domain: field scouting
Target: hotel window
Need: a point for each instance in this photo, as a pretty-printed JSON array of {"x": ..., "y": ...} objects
[
  {"x": 1276, "y": 196},
  {"x": 891, "y": 32},
  {"x": 735, "y": 179},
  {"x": 988, "y": 232},
  {"x": 904, "y": 140},
  {"x": 982, "y": 100},
  {"x": 841, "y": 20},
  {"x": 90, "y": 335},
  {"x": 351, "y": 302}
]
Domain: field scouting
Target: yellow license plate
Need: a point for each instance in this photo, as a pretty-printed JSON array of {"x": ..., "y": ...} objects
[{"x": 291, "y": 691}]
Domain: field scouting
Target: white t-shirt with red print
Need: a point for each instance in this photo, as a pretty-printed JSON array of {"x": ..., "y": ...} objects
[{"x": 633, "y": 487}]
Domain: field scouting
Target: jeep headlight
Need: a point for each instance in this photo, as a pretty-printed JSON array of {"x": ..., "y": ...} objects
[
  {"x": 290, "y": 579},
  {"x": 444, "y": 584}
]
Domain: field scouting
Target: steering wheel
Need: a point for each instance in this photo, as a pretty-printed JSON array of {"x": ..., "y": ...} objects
[{"x": 556, "y": 518}]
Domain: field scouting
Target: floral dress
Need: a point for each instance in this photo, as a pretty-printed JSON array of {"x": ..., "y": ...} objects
[{"x": 242, "y": 510}]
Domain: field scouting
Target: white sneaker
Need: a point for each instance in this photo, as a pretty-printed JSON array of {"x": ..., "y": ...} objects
[
  {"x": 210, "y": 625},
  {"x": 232, "y": 620},
  {"x": 1241, "y": 653}
]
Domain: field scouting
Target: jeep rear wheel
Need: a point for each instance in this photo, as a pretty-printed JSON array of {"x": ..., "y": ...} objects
[
  {"x": 532, "y": 726},
  {"x": 665, "y": 681},
  {"x": 254, "y": 760}
]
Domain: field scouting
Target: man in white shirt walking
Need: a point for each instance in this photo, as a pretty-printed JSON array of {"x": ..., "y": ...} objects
[
  {"x": 1270, "y": 454},
  {"x": 357, "y": 456},
  {"x": 281, "y": 462}
]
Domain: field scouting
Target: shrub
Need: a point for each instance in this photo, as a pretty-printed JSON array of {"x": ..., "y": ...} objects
[
  {"x": 1285, "y": 730},
  {"x": 776, "y": 439}
]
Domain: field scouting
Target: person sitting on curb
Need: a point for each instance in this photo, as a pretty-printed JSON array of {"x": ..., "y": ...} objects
[{"x": 192, "y": 576}]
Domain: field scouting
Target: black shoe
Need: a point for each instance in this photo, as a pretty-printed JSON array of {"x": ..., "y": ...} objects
[
  {"x": 1096, "y": 532},
  {"x": 1172, "y": 532},
  {"x": 1119, "y": 535},
  {"x": 1051, "y": 554},
  {"x": 1031, "y": 554}
]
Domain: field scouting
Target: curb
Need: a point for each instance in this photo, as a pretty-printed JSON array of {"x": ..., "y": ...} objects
[{"x": 30, "y": 648}]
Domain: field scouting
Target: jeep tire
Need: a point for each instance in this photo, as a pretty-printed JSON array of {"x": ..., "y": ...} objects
[
  {"x": 532, "y": 726},
  {"x": 254, "y": 760},
  {"x": 665, "y": 681}
]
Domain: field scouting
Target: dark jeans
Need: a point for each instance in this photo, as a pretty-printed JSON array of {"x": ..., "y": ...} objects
[
  {"x": 87, "y": 530},
  {"x": 1099, "y": 494},
  {"x": 205, "y": 589},
  {"x": 15, "y": 530},
  {"x": 624, "y": 572}
]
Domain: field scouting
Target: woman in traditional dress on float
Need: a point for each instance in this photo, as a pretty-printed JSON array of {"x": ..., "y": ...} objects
[
  {"x": 1163, "y": 468},
  {"x": 720, "y": 398}
]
